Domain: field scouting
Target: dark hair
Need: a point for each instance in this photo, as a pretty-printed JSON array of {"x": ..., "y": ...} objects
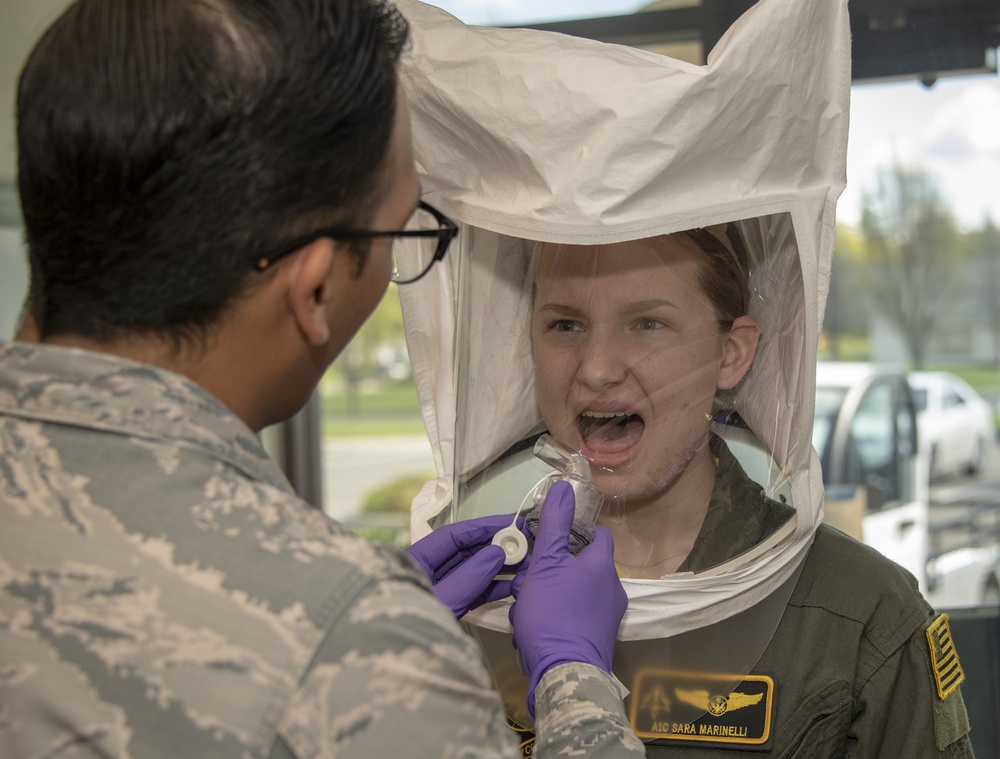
[
  {"x": 725, "y": 277},
  {"x": 163, "y": 146}
]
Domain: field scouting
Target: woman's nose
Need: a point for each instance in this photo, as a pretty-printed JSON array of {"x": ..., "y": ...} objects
[{"x": 602, "y": 362}]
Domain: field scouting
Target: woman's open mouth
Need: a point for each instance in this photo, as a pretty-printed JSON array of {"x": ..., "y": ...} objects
[{"x": 609, "y": 437}]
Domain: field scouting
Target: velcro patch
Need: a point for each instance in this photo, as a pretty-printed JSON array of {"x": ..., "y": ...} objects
[
  {"x": 706, "y": 708},
  {"x": 948, "y": 674},
  {"x": 525, "y": 738}
]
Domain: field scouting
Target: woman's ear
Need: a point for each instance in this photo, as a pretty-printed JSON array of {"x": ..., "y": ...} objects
[
  {"x": 738, "y": 351},
  {"x": 309, "y": 290}
]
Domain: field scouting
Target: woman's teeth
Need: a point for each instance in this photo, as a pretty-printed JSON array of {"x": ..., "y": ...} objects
[{"x": 599, "y": 427}]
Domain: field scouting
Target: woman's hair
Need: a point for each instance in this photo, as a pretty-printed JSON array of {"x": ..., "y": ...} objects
[
  {"x": 725, "y": 276},
  {"x": 725, "y": 279}
]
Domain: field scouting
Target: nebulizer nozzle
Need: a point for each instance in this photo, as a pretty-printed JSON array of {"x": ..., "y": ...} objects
[
  {"x": 575, "y": 469},
  {"x": 571, "y": 467},
  {"x": 566, "y": 460}
]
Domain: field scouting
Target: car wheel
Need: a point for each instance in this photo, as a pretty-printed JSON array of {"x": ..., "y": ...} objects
[{"x": 978, "y": 458}]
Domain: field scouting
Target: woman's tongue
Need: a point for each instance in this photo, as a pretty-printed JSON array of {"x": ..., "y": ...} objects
[{"x": 608, "y": 436}]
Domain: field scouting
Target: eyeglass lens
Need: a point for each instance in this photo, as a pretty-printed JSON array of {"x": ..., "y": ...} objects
[{"x": 412, "y": 256}]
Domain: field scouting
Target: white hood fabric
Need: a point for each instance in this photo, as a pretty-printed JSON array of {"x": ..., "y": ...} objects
[{"x": 524, "y": 136}]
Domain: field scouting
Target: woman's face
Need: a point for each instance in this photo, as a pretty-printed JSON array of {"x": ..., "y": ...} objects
[{"x": 628, "y": 355}]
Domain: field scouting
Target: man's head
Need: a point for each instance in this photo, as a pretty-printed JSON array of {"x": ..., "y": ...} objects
[{"x": 165, "y": 146}]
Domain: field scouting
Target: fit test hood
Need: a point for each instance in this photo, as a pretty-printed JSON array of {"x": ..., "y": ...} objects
[{"x": 524, "y": 136}]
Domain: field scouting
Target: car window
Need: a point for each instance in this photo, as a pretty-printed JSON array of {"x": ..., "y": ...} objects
[
  {"x": 952, "y": 398},
  {"x": 828, "y": 402},
  {"x": 906, "y": 447},
  {"x": 871, "y": 448},
  {"x": 920, "y": 398}
]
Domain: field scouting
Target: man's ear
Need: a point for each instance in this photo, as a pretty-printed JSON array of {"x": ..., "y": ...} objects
[
  {"x": 310, "y": 289},
  {"x": 738, "y": 351},
  {"x": 27, "y": 331}
]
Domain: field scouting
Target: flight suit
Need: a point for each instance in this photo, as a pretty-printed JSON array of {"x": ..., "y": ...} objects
[
  {"x": 851, "y": 666},
  {"x": 849, "y": 671}
]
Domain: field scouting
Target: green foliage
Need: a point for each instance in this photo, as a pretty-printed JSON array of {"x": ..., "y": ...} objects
[
  {"x": 364, "y": 426},
  {"x": 845, "y": 315},
  {"x": 359, "y": 361},
  {"x": 398, "y": 536},
  {"x": 851, "y": 346},
  {"x": 980, "y": 377},
  {"x": 984, "y": 248},
  {"x": 383, "y": 398},
  {"x": 913, "y": 248},
  {"x": 358, "y": 396},
  {"x": 848, "y": 243},
  {"x": 396, "y": 495},
  {"x": 387, "y": 408}
]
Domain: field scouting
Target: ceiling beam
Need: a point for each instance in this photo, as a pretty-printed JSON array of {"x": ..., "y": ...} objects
[{"x": 890, "y": 39}]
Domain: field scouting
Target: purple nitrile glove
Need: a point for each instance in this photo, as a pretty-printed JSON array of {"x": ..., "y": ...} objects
[
  {"x": 568, "y": 608},
  {"x": 461, "y": 563}
]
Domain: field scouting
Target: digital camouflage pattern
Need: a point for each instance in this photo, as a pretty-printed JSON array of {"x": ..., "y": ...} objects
[
  {"x": 163, "y": 593},
  {"x": 568, "y": 722}
]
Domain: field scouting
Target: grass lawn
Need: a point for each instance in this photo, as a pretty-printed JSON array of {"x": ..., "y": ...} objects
[
  {"x": 384, "y": 408},
  {"x": 365, "y": 427}
]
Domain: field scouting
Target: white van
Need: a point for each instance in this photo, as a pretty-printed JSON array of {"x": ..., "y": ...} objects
[{"x": 876, "y": 477}]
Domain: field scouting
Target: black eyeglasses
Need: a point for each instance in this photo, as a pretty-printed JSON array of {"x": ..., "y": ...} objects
[{"x": 427, "y": 236}]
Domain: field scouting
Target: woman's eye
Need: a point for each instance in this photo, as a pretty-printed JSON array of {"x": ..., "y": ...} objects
[
  {"x": 644, "y": 324},
  {"x": 564, "y": 325}
]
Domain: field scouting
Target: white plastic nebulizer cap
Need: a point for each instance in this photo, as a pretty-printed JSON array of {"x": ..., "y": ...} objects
[{"x": 513, "y": 543}]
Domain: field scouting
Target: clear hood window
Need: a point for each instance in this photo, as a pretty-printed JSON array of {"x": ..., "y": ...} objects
[{"x": 637, "y": 356}]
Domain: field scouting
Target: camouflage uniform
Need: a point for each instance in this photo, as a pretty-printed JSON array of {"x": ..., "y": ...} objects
[{"x": 163, "y": 593}]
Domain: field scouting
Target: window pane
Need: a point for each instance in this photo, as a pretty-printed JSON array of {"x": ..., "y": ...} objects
[{"x": 375, "y": 451}]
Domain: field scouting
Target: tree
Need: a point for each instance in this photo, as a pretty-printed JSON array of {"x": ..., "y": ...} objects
[
  {"x": 359, "y": 360},
  {"x": 845, "y": 313},
  {"x": 984, "y": 248},
  {"x": 913, "y": 248}
]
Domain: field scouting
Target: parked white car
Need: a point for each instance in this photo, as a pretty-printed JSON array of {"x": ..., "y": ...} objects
[
  {"x": 865, "y": 434},
  {"x": 954, "y": 423},
  {"x": 877, "y": 486}
]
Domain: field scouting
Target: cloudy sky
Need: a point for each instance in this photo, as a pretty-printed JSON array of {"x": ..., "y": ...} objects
[{"x": 952, "y": 129}]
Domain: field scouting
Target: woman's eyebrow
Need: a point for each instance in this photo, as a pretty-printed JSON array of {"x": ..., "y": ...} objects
[
  {"x": 648, "y": 305},
  {"x": 560, "y": 308},
  {"x": 629, "y": 308}
]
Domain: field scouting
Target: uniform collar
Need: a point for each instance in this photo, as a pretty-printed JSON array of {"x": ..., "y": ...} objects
[
  {"x": 75, "y": 387},
  {"x": 739, "y": 516}
]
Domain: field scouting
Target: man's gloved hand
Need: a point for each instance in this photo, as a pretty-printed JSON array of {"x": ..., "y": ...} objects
[
  {"x": 461, "y": 563},
  {"x": 568, "y": 608}
]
